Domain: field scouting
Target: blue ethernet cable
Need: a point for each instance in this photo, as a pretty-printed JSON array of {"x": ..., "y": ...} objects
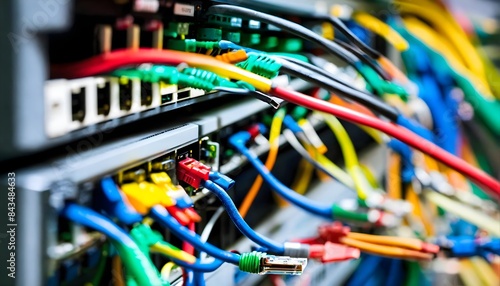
[
  {"x": 366, "y": 269},
  {"x": 199, "y": 278},
  {"x": 226, "y": 45},
  {"x": 189, "y": 278},
  {"x": 199, "y": 266},
  {"x": 89, "y": 218},
  {"x": 111, "y": 201},
  {"x": 395, "y": 276},
  {"x": 240, "y": 223},
  {"x": 222, "y": 180},
  {"x": 161, "y": 215},
  {"x": 239, "y": 140}
]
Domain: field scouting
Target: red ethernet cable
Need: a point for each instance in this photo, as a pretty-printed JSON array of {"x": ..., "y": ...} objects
[{"x": 395, "y": 131}]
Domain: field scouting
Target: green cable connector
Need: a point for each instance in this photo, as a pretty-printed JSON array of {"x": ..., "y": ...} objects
[
  {"x": 188, "y": 77},
  {"x": 141, "y": 268},
  {"x": 338, "y": 212},
  {"x": 209, "y": 77},
  {"x": 250, "y": 261},
  {"x": 381, "y": 86},
  {"x": 299, "y": 113},
  {"x": 174, "y": 29},
  {"x": 191, "y": 45},
  {"x": 261, "y": 263},
  {"x": 245, "y": 85},
  {"x": 260, "y": 64},
  {"x": 144, "y": 236}
]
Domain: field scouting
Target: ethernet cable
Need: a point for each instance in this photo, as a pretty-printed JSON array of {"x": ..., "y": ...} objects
[
  {"x": 153, "y": 201},
  {"x": 311, "y": 73},
  {"x": 113, "y": 60},
  {"x": 254, "y": 262},
  {"x": 274, "y": 134},
  {"x": 329, "y": 211},
  {"x": 358, "y": 180},
  {"x": 139, "y": 266},
  {"x": 108, "y": 62},
  {"x": 166, "y": 269},
  {"x": 397, "y": 132},
  {"x": 193, "y": 173},
  {"x": 333, "y": 172},
  {"x": 292, "y": 28},
  {"x": 240, "y": 223},
  {"x": 382, "y": 29},
  {"x": 359, "y": 96},
  {"x": 390, "y": 246},
  {"x": 448, "y": 28},
  {"x": 362, "y": 186},
  {"x": 238, "y": 141},
  {"x": 220, "y": 193},
  {"x": 484, "y": 107},
  {"x": 465, "y": 212}
]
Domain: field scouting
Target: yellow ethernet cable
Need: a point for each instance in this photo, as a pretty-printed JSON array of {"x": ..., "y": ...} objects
[
  {"x": 382, "y": 29},
  {"x": 363, "y": 187},
  {"x": 447, "y": 27},
  {"x": 171, "y": 252},
  {"x": 433, "y": 40}
]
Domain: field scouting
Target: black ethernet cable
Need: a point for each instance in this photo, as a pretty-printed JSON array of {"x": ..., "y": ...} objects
[
  {"x": 306, "y": 72},
  {"x": 292, "y": 28},
  {"x": 363, "y": 57}
]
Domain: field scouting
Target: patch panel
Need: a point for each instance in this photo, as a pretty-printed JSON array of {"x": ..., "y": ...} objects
[{"x": 75, "y": 104}]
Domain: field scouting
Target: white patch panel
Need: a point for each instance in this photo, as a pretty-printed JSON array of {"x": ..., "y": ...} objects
[{"x": 59, "y": 119}]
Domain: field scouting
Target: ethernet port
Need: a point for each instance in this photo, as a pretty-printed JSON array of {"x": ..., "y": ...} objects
[
  {"x": 166, "y": 98},
  {"x": 104, "y": 99},
  {"x": 183, "y": 94},
  {"x": 125, "y": 94},
  {"x": 146, "y": 93},
  {"x": 78, "y": 104}
]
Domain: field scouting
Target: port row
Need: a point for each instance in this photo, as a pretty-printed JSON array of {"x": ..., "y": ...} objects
[{"x": 74, "y": 104}]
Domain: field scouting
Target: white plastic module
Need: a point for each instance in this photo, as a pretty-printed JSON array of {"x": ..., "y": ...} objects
[{"x": 58, "y": 101}]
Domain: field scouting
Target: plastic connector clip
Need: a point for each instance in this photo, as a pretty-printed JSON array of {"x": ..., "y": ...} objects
[
  {"x": 222, "y": 180},
  {"x": 333, "y": 252},
  {"x": 144, "y": 236},
  {"x": 192, "y": 172},
  {"x": 144, "y": 195},
  {"x": 115, "y": 204}
]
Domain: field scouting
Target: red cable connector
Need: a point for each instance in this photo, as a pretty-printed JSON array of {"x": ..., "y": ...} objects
[
  {"x": 332, "y": 252},
  {"x": 192, "y": 172},
  {"x": 254, "y": 130},
  {"x": 192, "y": 214},
  {"x": 333, "y": 232},
  {"x": 179, "y": 215}
]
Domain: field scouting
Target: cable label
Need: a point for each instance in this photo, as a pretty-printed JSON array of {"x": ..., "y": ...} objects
[{"x": 184, "y": 10}]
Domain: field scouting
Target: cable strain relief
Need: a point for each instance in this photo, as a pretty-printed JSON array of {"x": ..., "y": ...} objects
[
  {"x": 296, "y": 249},
  {"x": 250, "y": 261}
]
